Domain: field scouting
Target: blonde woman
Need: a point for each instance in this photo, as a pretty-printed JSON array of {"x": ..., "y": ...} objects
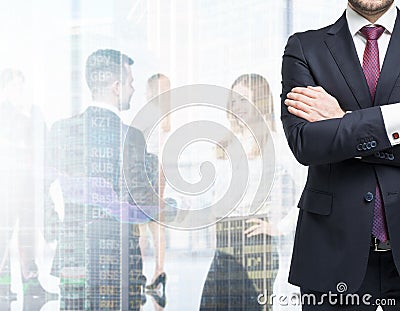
[
  {"x": 157, "y": 84},
  {"x": 255, "y": 250}
]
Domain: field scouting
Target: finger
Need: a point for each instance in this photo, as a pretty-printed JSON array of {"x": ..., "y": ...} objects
[
  {"x": 256, "y": 220},
  {"x": 305, "y": 91},
  {"x": 255, "y": 232},
  {"x": 301, "y": 98},
  {"x": 298, "y": 105},
  {"x": 317, "y": 88},
  {"x": 301, "y": 114},
  {"x": 251, "y": 229}
]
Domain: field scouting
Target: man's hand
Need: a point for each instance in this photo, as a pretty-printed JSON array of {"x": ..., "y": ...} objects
[{"x": 313, "y": 104}]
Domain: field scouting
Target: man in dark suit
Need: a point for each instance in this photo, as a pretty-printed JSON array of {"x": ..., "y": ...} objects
[
  {"x": 340, "y": 89},
  {"x": 98, "y": 258}
]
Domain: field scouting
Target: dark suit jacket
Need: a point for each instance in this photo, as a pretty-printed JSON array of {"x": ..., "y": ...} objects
[
  {"x": 336, "y": 208},
  {"x": 87, "y": 148}
]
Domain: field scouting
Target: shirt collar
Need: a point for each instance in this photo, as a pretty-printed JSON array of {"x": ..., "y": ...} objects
[
  {"x": 356, "y": 21},
  {"x": 104, "y": 105}
]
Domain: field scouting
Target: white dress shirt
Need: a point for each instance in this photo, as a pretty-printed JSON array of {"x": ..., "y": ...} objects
[
  {"x": 106, "y": 106},
  {"x": 355, "y": 22}
]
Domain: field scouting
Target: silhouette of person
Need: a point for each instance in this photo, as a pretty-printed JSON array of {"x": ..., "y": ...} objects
[
  {"x": 22, "y": 137},
  {"x": 98, "y": 258}
]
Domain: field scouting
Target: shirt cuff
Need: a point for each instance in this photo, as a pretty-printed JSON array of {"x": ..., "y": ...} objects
[
  {"x": 390, "y": 114},
  {"x": 288, "y": 223}
]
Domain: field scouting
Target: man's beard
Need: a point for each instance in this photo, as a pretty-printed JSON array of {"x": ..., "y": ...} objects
[{"x": 371, "y": 6}]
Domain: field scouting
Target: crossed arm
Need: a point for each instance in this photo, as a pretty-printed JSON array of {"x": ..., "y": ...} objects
[
  {"x": 313, "y": 104},
  {"x": 317, "y": 129}
]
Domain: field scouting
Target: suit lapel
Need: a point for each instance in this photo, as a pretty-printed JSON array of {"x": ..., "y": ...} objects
[
  {"x": 391, "y": 67},
  {"x": 341, "y": 45}
]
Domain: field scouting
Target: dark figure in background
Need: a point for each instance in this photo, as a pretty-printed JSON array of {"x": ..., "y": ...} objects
[
  {"x": 22, "y": 135},
  {"x": 98, "y": 258},
  {"x": 228, "y": 286},
  {"x": 240, "y": 271}
]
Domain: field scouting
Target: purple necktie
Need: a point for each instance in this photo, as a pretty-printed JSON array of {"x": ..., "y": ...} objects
[{"x": 371, "y": 68}]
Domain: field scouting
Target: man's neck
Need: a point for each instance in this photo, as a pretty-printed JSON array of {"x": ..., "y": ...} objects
[{"x": 106, "y": 105}]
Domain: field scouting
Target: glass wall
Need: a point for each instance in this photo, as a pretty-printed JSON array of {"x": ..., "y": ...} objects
[{"x": 173, "y": 191}]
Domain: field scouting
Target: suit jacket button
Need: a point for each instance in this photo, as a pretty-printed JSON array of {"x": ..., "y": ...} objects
[
  {"x": 359, "y": 147},
  {"x": 373, "y": 144},
  {"x": 364, "y": 146},
  {"x": 369, "y": 197}
]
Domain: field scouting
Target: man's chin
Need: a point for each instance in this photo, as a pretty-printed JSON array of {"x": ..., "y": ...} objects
[{"x": 370, "y": 8}]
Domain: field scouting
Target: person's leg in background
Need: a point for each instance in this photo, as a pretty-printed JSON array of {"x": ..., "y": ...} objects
[{"x": 158, "y": 234}]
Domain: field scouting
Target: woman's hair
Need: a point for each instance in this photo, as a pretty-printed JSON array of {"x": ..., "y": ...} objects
[
  {"x": 261, "y": 98},
  {"x": 156, "y": 85}
]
